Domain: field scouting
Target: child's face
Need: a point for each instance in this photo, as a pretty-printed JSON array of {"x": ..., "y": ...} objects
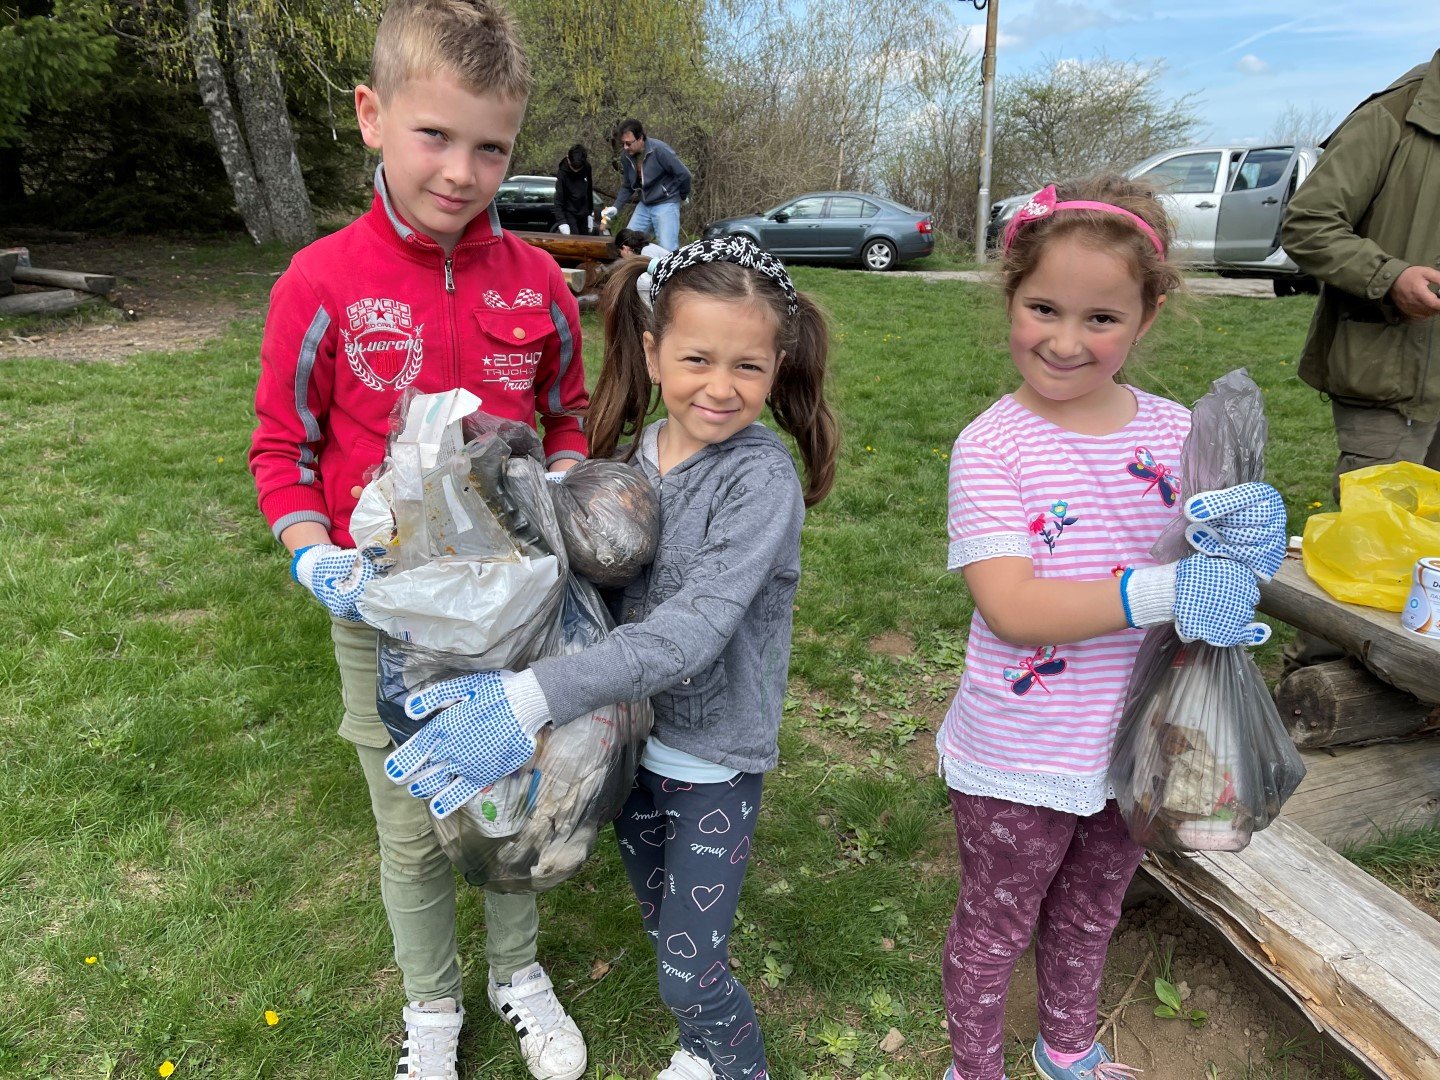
[
  {"x": 1073, "y": 321},
  {"x": 445, "y": 147},
  {"x": 715, "y": 365}
]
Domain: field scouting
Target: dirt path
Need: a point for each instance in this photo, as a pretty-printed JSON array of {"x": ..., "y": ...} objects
[
  {"x": 1255, "y": 288},
  {"x": 172, "y": 295}
]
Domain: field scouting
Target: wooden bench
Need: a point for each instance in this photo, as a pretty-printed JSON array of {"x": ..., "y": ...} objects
[{"x": 1360, "y": 961}]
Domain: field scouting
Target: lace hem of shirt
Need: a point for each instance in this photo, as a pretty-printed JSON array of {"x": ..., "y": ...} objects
[
  {"x": 976, "y": 548},
  {"x": 1078, "y": 795}
]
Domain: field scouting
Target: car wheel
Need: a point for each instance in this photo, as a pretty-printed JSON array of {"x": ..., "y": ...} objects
[
  {"x": 1307, "y": 284},
  {"x": 878, "y": 255},
  {"x": 1284, "y": 286}
]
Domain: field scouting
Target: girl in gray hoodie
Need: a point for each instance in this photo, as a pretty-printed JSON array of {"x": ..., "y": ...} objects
[{"x": 704, "y": 632}]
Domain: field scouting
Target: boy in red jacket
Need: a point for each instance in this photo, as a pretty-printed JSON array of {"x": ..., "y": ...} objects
[{"x": 423, "y": 291}]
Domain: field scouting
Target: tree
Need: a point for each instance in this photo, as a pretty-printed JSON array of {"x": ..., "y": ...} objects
[
  {"x": 597, "y": 62},
  {"x": 1075, "y": 118},
  {"x": 48, "y": 53},
  {"x": 933, "y": 161},
  {"x": 1302, "y": 127}
]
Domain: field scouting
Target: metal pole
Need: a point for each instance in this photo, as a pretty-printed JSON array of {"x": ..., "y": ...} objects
[{"x": 987, "y": 126}]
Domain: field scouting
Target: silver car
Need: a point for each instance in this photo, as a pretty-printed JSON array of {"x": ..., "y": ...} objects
[
  {"x": 1226, "y": 203},
  {"x": 836, "y": 226}
]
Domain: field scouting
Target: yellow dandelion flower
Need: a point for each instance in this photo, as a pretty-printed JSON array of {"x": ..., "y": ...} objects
[
  {"x": 271, "y": 1017},
  {"x": 220, "y": 461},
  {"x": 1316, "y": 505},
  {"x": 167, "y": 1067},
  {"x": 92, "y": 959}
]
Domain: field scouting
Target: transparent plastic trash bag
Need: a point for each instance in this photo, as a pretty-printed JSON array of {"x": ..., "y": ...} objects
[
  {"x": 1201, "y": 759},
  {"x": 610, "y": 518},
  {"x": 480, "y": 581}
]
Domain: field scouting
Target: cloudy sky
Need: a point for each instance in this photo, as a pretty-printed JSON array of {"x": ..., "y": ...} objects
[{"x": 1246, "y": 60}]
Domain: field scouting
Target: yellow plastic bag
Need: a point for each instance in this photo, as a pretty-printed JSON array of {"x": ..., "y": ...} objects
[{"x": 1389, "y": 517}]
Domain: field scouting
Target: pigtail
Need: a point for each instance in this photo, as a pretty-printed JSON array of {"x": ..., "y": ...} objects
[
  {"x": 797, "y": 400},
  {"x": 623, "y": 394}
]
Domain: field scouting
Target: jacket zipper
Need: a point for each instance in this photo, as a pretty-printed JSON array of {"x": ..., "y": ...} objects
[{"x": 450, "y": 318}]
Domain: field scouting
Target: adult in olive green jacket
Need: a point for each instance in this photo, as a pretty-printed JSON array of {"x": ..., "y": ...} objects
[{"x": 1367, "y": 225}]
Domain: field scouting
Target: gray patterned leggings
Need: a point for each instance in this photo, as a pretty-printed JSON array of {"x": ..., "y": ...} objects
[
  {"x": 1029, "y": 869},
  {"x": 685, "y": 847}
]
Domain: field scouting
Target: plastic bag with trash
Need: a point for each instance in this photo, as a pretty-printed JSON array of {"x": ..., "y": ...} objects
[
  {"x": 480, "y": 580},
  {"x": 1389, "y": 519},
  {"x": 1201, "y": 759}
]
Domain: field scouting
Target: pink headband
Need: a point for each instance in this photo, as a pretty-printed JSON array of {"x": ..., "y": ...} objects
[{"x": 1042, "y": 204}]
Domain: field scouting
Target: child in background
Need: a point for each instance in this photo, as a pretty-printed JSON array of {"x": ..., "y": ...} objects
[
  {"x": 631, "y": 242},
  {"x": 705, "y": 631},
  {"x": 424, "y": 291},
  {"x": 1057, "y": 493}
]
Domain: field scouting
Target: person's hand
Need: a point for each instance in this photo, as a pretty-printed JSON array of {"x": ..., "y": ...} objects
[
  {"x": 1414, "y": 293},
  {"x": 1207, "y": 598},
  {"x": 485, "y": 729},
  {"x": 337, "y": 576},
  {"x": 1246, "y": 523},
  {"x": 607, "y": 215}
]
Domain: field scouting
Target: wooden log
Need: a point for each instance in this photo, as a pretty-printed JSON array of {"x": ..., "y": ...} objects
[
  {"x": 1360, "y": 961},
  {"x": 1403, "y": 659},
  {"x": 52, "y": 302},
  {"x": 576, "y": 248},
  {"x": 575, "y": 278},
  {"x": 100, "y": 284},
  {"x": 1342, "y": 702},
  {"x": 1357, "y": 794}
]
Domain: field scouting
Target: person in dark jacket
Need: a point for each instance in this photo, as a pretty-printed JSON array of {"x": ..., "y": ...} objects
[
  {"x": 574, "y": 193},
  {"x": 654, "y": 170}
]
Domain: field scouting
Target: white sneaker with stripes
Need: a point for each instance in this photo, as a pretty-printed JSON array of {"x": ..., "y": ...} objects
[
  {"x": 432, "y": 1039},
  {"x": 550, "y": 1042}
]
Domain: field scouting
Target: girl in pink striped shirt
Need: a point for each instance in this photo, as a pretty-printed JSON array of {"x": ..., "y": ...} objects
[{"x": 1057, "y": 493}]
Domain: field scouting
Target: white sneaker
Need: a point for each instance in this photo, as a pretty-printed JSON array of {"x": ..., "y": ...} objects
[
  {"x": 550, "y": 1043},
  {"x": 686, "y": 1066},
  {"x": 432, "y": 1037}
]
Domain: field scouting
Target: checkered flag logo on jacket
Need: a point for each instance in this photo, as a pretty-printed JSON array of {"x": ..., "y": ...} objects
[{"x": 740, "y": 250}]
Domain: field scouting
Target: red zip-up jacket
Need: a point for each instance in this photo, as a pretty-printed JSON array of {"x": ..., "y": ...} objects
[{"x": 376, "y": 308}]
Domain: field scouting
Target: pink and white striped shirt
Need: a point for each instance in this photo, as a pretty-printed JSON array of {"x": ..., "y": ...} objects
[{"x": 1037, "y": 726}]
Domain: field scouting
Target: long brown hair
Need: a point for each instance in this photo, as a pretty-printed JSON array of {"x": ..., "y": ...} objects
[{"x": 624, "y": 395}]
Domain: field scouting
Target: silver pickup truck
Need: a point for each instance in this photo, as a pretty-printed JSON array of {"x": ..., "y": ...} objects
[{"x": 1226, "y": 203}]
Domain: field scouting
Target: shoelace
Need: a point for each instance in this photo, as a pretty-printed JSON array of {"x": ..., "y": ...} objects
[
  {"x": 434, "y": 1051},
  {"x": 1113, "y": 1070},
  {"x": 545, "y": 1007}
]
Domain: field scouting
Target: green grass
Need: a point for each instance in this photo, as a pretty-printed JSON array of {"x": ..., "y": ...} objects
[{"x": 177, "y": 806}]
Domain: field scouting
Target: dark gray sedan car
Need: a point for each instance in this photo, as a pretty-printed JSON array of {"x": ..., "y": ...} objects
[{"x": 837, "y": 226}]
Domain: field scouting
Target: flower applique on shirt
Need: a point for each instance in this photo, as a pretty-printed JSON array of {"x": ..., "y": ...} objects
[
  {"x": 1049, "y": 529},
  {"x": 1161, "y": 478},
  {"x": 1033, "y": 670}
]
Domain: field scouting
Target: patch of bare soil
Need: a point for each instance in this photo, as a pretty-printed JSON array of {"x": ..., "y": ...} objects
[
  {"x": 164, "y": 301},
  {"x": 1247, "y": 1032}
]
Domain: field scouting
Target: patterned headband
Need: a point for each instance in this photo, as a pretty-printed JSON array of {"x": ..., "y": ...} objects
[
  {"x": 1042, "y": 204},
  {"x": 740, "y": 250}
]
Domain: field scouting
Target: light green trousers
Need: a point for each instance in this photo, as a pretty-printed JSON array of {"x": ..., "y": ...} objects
[{"x": 417, "y": 883}]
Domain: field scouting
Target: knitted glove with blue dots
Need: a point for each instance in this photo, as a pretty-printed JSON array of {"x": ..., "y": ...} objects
[
  {"x": 337, "y": 576},
  {"x": 1209, "y": 599},
  {"x": 485, "y": 729},
  {"x": 1246, "y": 523}
]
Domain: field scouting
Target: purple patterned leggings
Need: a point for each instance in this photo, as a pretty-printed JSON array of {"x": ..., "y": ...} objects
[{"x": 1029, "y": 869}]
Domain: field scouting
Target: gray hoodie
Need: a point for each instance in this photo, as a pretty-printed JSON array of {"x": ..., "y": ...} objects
[{"x": 705, "y": 629}]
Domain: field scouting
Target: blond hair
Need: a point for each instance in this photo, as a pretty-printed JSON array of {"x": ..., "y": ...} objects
[{"x": 475, "y": 41}]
